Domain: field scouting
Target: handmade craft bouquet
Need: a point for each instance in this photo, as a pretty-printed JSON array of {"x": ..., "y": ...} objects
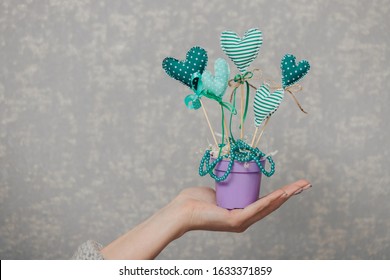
[{"x": 234, "y": 163}]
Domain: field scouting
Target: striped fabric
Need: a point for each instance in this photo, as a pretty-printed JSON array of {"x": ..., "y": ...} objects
[
  {"x": 242, "y": 51},
  {"x": 266, "y": 103}
]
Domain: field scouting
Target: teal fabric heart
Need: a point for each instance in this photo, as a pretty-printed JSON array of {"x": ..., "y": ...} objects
[
  {"x": 218, "y": 83},
  {"x": 266, "y": 103},
  {"x": 196, "y": 61},
  {"x": 242, "y": 51},
  {"x": 292, "y": 72}
]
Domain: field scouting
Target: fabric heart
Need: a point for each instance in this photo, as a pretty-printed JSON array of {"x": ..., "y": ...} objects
[
  {"x": 196, "y": 61},
  {"x": 291, "y": 72},
  {"x": 217, "y": 84},
  {"x": 266, "y": 103},
  {"x": 242, "y": 51}
]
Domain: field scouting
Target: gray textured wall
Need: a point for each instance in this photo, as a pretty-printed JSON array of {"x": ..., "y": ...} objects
[{"x": 94, "y": 137}]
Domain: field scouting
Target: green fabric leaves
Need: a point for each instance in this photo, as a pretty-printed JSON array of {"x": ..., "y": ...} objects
[
  {"x": 242, "y": 51},
  {"x": 218, "y": 83},
  {"x": 196, "y": 61},
  {"x": 266, "y": 103},
  {"x": 291, "y": 72}
]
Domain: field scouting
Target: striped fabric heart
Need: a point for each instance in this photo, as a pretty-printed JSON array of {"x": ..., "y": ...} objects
[
  {"x": 196, "y": 61},
  {"x": 218, "y": 83},
  {"x": 266, "y": 103},
  {"x": 292, "y": 72},
  {"x": 242, "y": 51}
]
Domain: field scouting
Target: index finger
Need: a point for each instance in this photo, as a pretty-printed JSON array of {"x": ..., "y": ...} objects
[{"x": 283, "y": 193}]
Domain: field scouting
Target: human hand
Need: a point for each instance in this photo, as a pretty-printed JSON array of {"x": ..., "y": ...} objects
[
  {"x": 203, "y": 213},
  {"x": 194, "y": 209}
]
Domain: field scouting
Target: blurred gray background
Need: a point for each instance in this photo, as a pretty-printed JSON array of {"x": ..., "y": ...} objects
[{"x": 95, "y": 137}]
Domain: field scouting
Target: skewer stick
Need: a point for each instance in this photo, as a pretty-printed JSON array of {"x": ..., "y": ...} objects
[
  {"x": 242, "y": 111},
  {"x": 254, "y": 136},
  {"x": 262, "y": 131},
  {"x": 208, "y": 122},
  {"x": 227, "y": 135}
]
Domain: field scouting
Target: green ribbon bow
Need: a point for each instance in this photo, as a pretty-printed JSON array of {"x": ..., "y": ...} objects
[
  {"x": 240, "y": 79},
  {"x": 192, "y": 101}
]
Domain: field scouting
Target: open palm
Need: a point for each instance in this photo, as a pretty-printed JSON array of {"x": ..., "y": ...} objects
[
  {"x": 206, "y": 215},
  {"x": 193, "y": 209}
]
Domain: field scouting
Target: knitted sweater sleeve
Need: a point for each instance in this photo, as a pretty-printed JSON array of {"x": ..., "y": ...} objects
[{"x": 89, "y": 250}]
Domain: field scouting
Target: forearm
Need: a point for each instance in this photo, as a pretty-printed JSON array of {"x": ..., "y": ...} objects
[
  {"x": 149, "y": 238},
  {"x": 194, "y": 209}
]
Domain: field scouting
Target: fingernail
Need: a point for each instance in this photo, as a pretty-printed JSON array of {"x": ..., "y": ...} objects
[
  {"x": 308, "y": 186},
  {"x": 298, "y": 191}
]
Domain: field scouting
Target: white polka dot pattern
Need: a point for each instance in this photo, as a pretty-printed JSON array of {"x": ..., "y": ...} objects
[
  {"x": 218, "y": 83},
  {"x": 196, "y": 61},
  {"x": 291, "y": 72}
]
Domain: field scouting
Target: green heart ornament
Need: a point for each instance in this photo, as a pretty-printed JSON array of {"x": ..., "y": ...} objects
[
  {"x": 266, "y": 103},
  {"x": 242, "y": 51},
  {"x": 292, "y": 72},
  {"x": 218, "y": 83},
  {"x": 196, "y": 61}
]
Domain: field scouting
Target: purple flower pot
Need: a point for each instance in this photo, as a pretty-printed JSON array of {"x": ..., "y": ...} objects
[{"x": 241, "y": 187}]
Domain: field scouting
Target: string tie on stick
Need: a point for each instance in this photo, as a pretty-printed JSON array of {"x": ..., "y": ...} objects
[
  {"x": 290, "y": 89},
  {"x": 294, "y": 89}
]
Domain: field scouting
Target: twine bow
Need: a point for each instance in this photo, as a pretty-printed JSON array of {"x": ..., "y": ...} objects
[
  {"x": 294, "y": 89},
  {"x": 236, "y": 82},
  {"x": 241, "y": 79},
  {"x": 290, "y": 89}
]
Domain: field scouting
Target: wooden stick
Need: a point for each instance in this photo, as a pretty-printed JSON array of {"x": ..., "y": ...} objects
[
  {"x": 254, "y": 136},
  {"x": 208, "y": 121},
  {"x": 227, "y": 134},
  {"x": 242, "y": 111},
  {"x": 262, "y": 131}
]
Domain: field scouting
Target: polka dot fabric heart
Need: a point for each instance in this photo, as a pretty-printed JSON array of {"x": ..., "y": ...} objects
[
  {"x": 242, "y": 51},
  {"x": 196, "y": 61},
  {"x": 218, "y": 83},
  {"x": 291, "y": 72}
]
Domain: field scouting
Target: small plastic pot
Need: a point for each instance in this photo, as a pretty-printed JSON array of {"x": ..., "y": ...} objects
[{"x": 241, "y": 187}]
